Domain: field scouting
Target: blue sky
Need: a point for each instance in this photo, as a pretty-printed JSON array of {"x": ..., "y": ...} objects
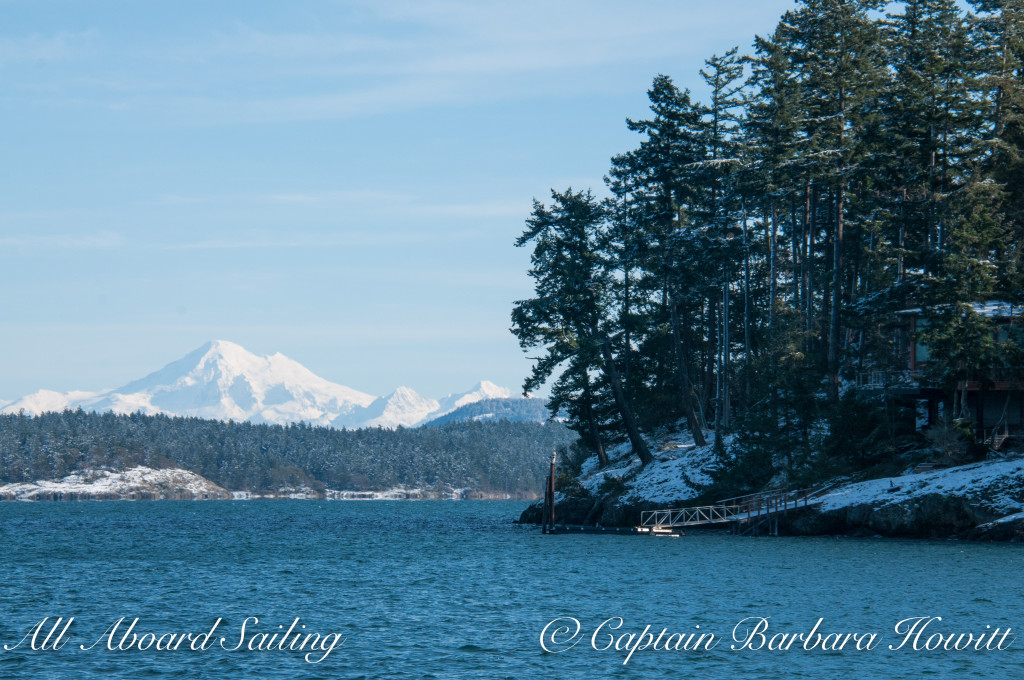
[{"x": 341, "y": 182}]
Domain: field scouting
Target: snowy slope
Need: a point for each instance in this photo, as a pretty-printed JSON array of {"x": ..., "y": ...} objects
[
  {"x": 48, "y": 400},
  {"x": 947, "y": 501},
  {"x": 679, "y": 470},
  {"x": 403, "y": 407},
  {"x": 482, "y": 390},
  {"x": 1001, "y": 481},
  {"x": 138, "y": 483},
  {"x": 223, "y": 381},
  {"x": 517, "y": 410}
]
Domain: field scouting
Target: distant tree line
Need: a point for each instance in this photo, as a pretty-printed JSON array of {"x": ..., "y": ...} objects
[
  {"x": 494, "y": 456},
  {"x": 755, "y": 247}
]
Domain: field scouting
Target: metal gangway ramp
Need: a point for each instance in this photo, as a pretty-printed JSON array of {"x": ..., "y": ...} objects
[{"x": 747, "y": 513}]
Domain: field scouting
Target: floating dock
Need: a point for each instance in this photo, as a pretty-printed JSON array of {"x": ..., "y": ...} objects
[{"x": 633, "y": 531}]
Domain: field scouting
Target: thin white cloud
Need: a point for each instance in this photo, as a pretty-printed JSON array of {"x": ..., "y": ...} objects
[
  {"x": 348, "y": 239},
  {"x": 44, "y": 48},
  {"x": 345, "y": 196},
  {"x": 364, "y": 332},
  {"x": 381, "y": 201},
  {"x": 325, "y": 104},
  {"x": 487, "y": 209},
  {"x": 247, "y": 41},
  {"x": 405, "y": 56},
  {"x": 101, "y": 239},
  {"x": 341, "y": 196}
]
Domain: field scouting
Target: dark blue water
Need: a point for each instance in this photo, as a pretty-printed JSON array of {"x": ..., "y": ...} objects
[{"x": 455, "y": 590}]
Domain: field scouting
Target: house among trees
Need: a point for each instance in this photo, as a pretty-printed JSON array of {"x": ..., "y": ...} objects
[{"x": 989, "y": 393}]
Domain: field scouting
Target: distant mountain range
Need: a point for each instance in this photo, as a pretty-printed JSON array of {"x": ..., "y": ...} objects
[
  {"x": 514, "y": 410},
  {"x": 223, "y": 381}
]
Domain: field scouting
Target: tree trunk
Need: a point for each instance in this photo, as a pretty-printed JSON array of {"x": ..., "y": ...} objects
[
  {"x": 726, "y": 368},
  {"x": 595, "y": 433},
  {"x": 812, "y": 207},
  {"x": 686, "y": 389},
  {"x": 795, "y": 253},
  {"x": 719, "y": 409},
  {"x": 625, "y": 321},
  {"x": 837, "y": 261},
  {"x": 772, "y": 289},
  {"x": 827, "y": 266},
  {"x": 747, "y": 340},
  {"x": 837, "y": 295},
  {"x": 625, "y": 410}
]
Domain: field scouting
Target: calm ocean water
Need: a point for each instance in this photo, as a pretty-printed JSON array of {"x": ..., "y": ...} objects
[{"x": 455, "y": 590}]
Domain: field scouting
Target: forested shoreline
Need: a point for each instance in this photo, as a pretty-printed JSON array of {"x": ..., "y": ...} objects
[
  {"x": 496, "y": 457},
  {"x": 748, "y": 266}
]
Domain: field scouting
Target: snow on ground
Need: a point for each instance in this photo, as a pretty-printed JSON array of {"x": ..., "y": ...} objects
[
  {"x": 302, "y": 493},
  {"x": 136, "y": 483},
  {"x": 999, "y": 484},
  {"x": 679, "y": 469},
  {"x": 679, "y": 473},
  {"x": 1015, "y": 517},
  {"x": 398, "y": 493},
  {"x": 395, "y": 494}
]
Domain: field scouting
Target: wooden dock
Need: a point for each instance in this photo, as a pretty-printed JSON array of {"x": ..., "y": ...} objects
[{"x": 751, "y": 514}]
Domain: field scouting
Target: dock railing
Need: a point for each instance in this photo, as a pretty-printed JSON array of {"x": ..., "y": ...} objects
[{"x": 738, "y": 509}]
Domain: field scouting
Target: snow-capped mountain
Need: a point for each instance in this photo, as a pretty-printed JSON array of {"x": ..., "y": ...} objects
[
  {"x": 516, "y": 410},
  {"x": 224, "y": 381},
  {"x": 482, "y": 390},
  {"x": 403, "y": 407},
  {"x": 48, "y": 400},
  {"x": 220, "y": 380}
]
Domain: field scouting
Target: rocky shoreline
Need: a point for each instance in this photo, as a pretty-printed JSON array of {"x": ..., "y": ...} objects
[
  {"x": 138, "y": 483},
  {"x": 148, "y": 484},
  {"x": 981, "y": 501},
  {"x": 931, "y": 516}
]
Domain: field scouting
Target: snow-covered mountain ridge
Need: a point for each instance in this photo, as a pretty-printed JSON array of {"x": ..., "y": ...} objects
[{"x": 223, "y": 381}]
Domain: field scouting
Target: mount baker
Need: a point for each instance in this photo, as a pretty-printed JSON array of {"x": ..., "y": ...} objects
[{"x": 223, "y": 381}]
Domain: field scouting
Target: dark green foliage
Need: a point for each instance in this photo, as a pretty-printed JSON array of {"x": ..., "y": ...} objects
[
  {"x": 570, "y": 486},
  {"x": 571, "y": 458},
  {"x": 755, "y": 251},
  {"x": 611, "y": 485},
  {"x": 861, "y": 433},
  {"x": 497, "y": 456},
  {"x": 569, "y": 318},
  {"x": 748, "y": 467},
  {"x": 966, "y": 339}
]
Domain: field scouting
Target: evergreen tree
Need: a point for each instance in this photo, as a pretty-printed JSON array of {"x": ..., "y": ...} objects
[
  {"x": 654, "y": 182},
  {"x": 870, "y": 163},
  {"x": 569, "y": 317}
]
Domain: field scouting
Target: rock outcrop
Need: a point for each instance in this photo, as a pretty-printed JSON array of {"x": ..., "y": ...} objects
[
  {"x": 1009, "y": 528},
  {"x": 981, "y": 501},
  {"x": 137, "y": 484},
  {"x": 929, "y": 516}
]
